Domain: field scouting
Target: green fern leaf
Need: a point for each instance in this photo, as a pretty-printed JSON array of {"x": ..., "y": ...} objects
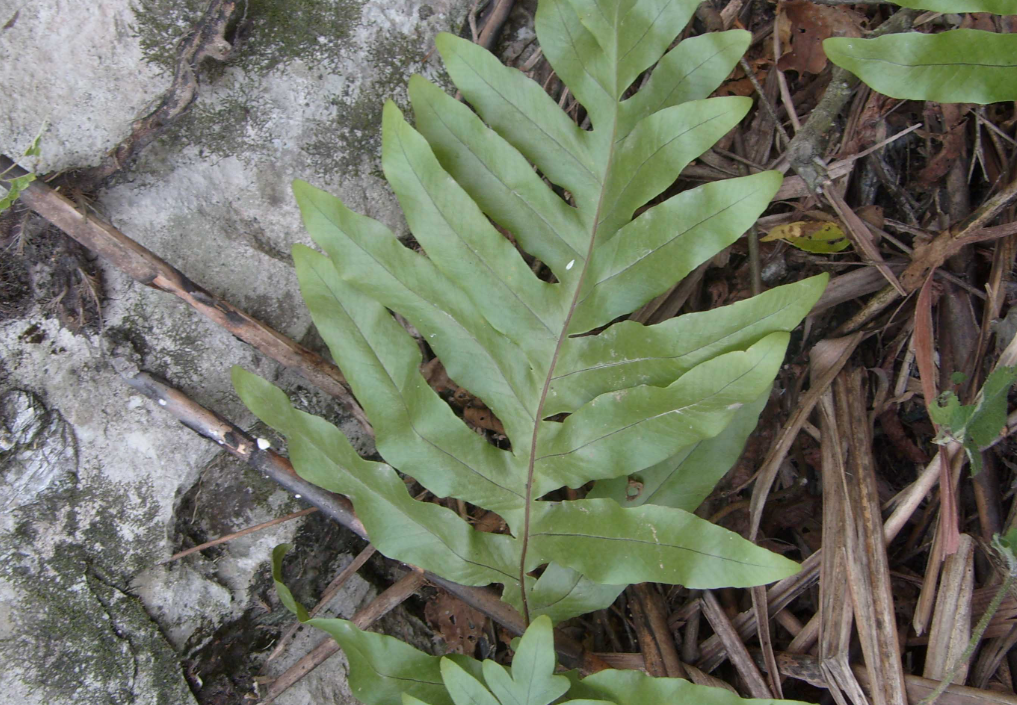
[
  {"x": 382, "y": 668},
  {"x": 959, "y": 66},
  {"x": 636, "y": 397}
]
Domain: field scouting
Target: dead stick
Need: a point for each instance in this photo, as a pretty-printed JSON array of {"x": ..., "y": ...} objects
[
  {"x": 238, "y": 534},
  {"x": 146, "y": 267},
  {"x": 656, "y": 616},
  {"x": 239, "y": 444},
  {"x": 652, "y": 658},
  {"x": 489, "y": 34}
]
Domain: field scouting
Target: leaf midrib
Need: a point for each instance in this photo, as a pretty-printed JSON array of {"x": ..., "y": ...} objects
[
  {"x": 549, "y": 377},
  {"x": 629, "y": 539},
  {"x": 681, "y": 410},
  {"x": 536, "y": 213}
]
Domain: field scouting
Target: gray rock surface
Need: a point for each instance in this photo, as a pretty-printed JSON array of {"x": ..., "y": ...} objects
[{"x": 97, "y": 484}]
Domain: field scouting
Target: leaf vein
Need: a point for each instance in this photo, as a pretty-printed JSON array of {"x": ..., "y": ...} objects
[
  {"x": 635, "y": 171},
  {"x": 470, "y": 247},
  {"x": 435, "y": 306},
  {"x": 636, "y": 360},
  {"x": 595, "y": 537},
  {"x": 535, "y": 124},
  {"x": 511, "y": 190},
  {"x": 402, "y": 399},
  {"x": 680, "y": 410},
  {"x": 668, "y": 242}
]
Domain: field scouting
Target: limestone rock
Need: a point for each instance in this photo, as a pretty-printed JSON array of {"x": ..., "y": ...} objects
[{"x": 110, "y": 485}]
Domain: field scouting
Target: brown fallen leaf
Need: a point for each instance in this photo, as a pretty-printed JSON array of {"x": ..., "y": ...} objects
[
  {"x": 475, "y": 413},
  {"x": 460, "y": 625},
  {"x": 804, "y": 25}
]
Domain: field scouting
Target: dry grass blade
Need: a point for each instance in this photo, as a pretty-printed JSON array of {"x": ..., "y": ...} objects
[
  {"x": 779, "y": 596},
  {"x": 861, "y": 237},
  {"x": 951, "y": 624},
  {"x": 759, "y": 609},
  {"x": 835, "y": 607},
  {"x": 930, "y": 256},
  {"x": 868, "y": 567},
  {"x": 736, "y": 650},
  {"x": 238, "y": 534},
  {"x": 947, "y": 537},
  {"x": 806, "y": 668},
  {"x": 826, "y": 360},
  {"x": 852, "y": 285},
  {"x": 991, "y": 657}
]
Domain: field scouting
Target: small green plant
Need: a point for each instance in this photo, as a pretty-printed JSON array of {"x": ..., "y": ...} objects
[
  {"x": 18, "y": 184},
  {"x": 978, "y": 424},
  {"x": 958, "y": 66},
  {"x": 652, "y": 415}
]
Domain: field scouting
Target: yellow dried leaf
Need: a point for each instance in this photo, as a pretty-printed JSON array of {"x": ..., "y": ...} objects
[{"x": 811, "y": 236}]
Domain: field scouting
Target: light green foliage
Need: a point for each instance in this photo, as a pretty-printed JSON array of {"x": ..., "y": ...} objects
[
  {"x": 18, "y": 184},
  {"x": 979, "y": 424},
  {"x": 958, "y": 66},
  {"x": 382, "y": 668},
  {"x": 1007, "y": 544},
  {"x": 635, "y": 397}
]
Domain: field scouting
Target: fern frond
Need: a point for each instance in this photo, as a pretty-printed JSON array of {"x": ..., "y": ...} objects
[{"x": 638, "y": 398}]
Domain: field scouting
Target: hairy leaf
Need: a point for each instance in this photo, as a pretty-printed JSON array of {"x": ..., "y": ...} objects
[
  {"x": 587, "y": 204},
  {"x": 959, "y": 66}
]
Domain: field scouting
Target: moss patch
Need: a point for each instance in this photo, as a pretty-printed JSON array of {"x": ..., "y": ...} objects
[
  {"x": 342, "y": 125},
  {"x": 269, "y": 33},
  {"x": 350, "y": 141},
  {"x": 85, "y": 637}
]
